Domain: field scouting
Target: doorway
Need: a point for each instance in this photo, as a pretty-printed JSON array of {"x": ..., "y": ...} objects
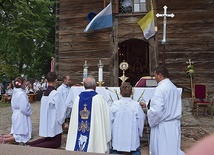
[{"x": 136, "y": 53}]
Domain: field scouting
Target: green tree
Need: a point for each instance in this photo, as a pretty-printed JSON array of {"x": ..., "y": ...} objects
[{"x": 27, "y": 30}]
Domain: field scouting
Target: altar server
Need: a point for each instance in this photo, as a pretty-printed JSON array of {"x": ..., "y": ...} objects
[
  {"x": 127, "y": 119},
  {"x": 90, "y": 126},
  {"x": 52, "y": 116},
  {"x": 164, "y": 114},
  {"x": 21, "y": 128},
  {"x": 63, "y": 91}
]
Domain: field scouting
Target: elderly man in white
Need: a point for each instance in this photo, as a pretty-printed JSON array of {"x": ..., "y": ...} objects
[{"x": 90, "y": 126}]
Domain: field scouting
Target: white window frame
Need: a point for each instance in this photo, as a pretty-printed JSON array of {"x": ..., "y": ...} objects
[{"x": 139, "y": 6}]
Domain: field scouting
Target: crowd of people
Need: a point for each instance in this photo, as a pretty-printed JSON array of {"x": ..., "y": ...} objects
[
  {"x": 36, "y": 87},
  {"x": 95, "y": 126}
]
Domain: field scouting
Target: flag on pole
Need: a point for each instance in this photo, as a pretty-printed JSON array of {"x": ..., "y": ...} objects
[
  {"x": 101, "y": 20},
  {"x": 147, "y": 23}
]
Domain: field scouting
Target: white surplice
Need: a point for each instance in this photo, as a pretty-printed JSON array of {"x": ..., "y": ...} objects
[
  {"x": 63, "y": 91},
  {"x": 21, "y": 123},
  {"x": 127, "y": 119},
  {"x": 100, "y": 127},
  {"x": 164, "y": 119},
  {"x": 52, "y": 115}
]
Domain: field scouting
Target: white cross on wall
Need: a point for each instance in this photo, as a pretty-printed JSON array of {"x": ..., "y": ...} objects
[
  {"x": 190, "y": 62},
  {"x": 164, "y": 22}
]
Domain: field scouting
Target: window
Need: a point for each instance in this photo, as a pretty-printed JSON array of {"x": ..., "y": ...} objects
[
  {"x": 127, "y": 6},
  {"x": 132, "y": 6},
  {"x": 139, "y": 6}
]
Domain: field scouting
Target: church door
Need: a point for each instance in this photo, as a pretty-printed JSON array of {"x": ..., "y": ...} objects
[{"x": 136, "y": 53}]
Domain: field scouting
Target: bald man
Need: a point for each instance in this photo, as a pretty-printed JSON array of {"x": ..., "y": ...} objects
[{"x": 90, "y": 126}]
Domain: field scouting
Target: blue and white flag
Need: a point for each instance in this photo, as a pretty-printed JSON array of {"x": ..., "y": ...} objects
[{"x": 101, "y": 20}]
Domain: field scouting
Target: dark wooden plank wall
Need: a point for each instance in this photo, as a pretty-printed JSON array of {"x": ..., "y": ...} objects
[
  {"x": 190, "y": 35},
  {"x": 75, "y": 46}
]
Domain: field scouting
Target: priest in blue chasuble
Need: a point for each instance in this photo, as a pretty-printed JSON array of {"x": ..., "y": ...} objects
[{"x": 90, "y": 126}]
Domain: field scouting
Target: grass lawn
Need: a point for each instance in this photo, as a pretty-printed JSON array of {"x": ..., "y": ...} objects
[{"x": 4, "y": 104}]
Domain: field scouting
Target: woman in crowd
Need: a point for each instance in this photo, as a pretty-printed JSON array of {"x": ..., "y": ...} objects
[
  {"x": 8, "y": 93},
  {"x": 30, "y": 89}
]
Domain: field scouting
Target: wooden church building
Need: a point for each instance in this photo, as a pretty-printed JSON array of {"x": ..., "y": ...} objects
[{"x": 189, "y": 35}]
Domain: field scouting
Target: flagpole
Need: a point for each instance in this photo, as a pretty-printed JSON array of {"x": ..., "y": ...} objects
[
  {"x": 191, "y": 85},
  {"x": 104, "y": 4}
]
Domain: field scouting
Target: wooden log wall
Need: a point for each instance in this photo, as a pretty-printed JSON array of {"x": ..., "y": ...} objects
[
  {"x": 74, "y": 47},
  {"x": 190, "y": 35}
]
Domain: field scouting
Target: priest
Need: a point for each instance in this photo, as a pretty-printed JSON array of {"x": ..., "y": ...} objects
[{"x": 90, "y": 128}]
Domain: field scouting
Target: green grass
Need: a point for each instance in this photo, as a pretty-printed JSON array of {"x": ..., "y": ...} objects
[{"x": 4, "y": 104}]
